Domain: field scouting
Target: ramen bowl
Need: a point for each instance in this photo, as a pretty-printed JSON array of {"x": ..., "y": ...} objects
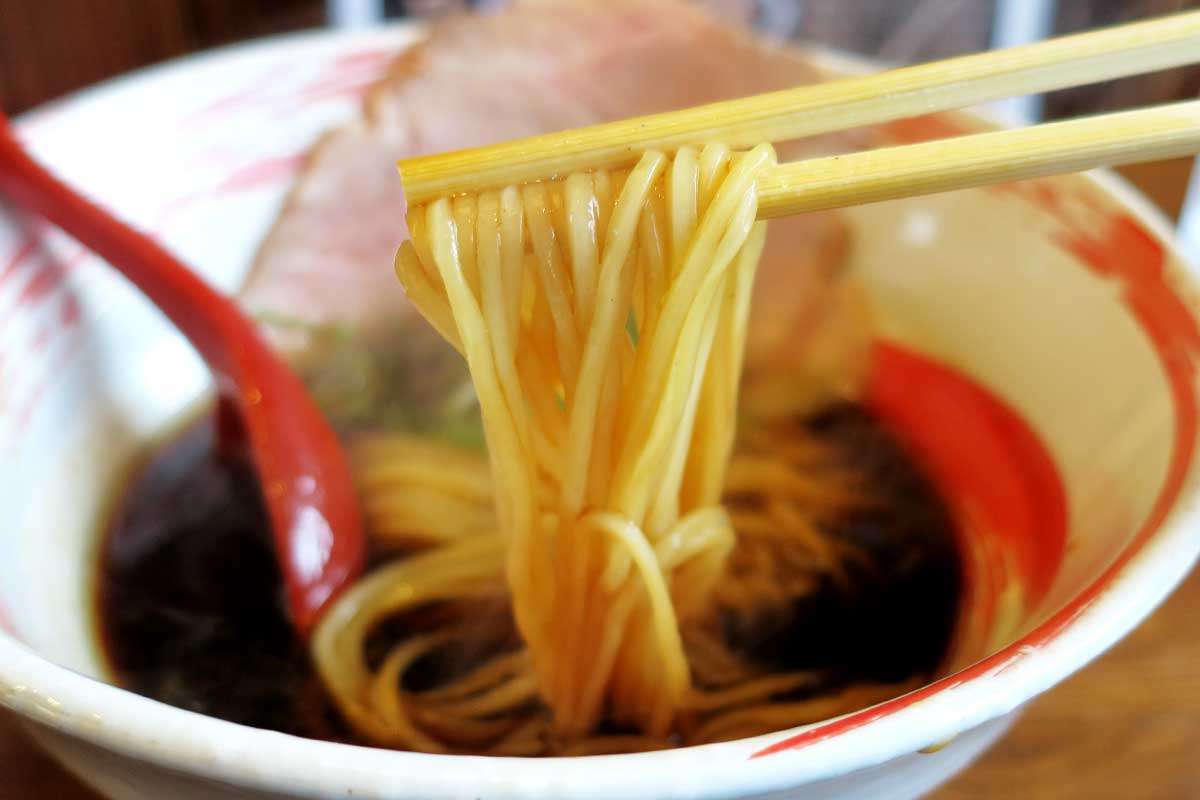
[{"x": 1062, "y": 305}]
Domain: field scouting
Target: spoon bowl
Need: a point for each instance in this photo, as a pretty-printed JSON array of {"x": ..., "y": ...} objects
[{"x": 303, "y": 473}]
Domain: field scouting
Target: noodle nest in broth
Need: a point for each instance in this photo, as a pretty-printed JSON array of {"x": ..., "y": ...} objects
[{"x": 603, "y": 318}]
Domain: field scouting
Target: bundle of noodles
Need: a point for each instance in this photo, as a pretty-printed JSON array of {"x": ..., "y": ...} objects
[
  {"x": 605, "y": 341},
  {"x": 603, "y": 319}
]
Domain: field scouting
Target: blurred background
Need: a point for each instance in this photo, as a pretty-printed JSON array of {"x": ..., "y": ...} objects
[
  {"x": 1112, "y": 731},
  {"x": 51, "y": 47}
]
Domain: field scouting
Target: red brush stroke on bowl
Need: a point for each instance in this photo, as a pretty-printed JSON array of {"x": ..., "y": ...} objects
[
  {"x": 372, "y": 58},
  {"x": 46, "y": 279},
  {"x": 249, "y": 96},
  {"x": 12, "y": 264},
  {"x": 68, "y": 313},
  {"x": 349, "y": 75},
  {"x": 25, "y": 407},
  {"x": 1123, "y": 250},
  {"x": 995, "y": 472},
  {"x": 263, "y": 172}
]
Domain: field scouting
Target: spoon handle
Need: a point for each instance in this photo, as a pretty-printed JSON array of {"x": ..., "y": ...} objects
[{"x": 303, "y": 472}]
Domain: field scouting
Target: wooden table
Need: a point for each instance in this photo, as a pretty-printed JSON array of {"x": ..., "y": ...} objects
[{"x": 1126, "y": 728}]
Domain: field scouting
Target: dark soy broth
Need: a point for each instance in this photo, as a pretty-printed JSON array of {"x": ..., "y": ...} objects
[{"x": 191, "y": 612}]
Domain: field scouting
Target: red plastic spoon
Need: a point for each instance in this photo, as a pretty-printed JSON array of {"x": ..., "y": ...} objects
[{"x": 305, "y": 479}]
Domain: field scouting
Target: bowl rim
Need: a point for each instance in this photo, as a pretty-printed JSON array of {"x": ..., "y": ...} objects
[{"x": 1139, "y": 578}]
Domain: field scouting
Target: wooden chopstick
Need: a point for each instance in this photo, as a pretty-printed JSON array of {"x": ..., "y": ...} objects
[
  {"x": 889, "y": 173},
  {"x": 835, "y": 105}
]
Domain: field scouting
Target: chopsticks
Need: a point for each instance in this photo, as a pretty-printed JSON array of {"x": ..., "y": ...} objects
[
  {"x": 836, "y": 105},
  {"x": 890, "y": 173}
]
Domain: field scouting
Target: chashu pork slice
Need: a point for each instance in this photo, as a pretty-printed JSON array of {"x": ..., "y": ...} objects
[{"x": 536, "y": 67}]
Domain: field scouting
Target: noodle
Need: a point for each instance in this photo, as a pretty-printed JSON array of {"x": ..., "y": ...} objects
[
  {"x": 603, "y": 318},
  {"x": 769, "y": 566}
]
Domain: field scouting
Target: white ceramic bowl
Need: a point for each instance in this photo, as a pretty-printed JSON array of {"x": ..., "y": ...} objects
[{"x": 1064, "y": 297}]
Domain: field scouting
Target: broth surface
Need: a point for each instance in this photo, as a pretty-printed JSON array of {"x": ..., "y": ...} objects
[{"x": 191, "y": 610}]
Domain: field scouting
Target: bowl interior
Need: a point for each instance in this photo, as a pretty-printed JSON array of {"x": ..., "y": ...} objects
[{"x": 990, "y": 283}]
